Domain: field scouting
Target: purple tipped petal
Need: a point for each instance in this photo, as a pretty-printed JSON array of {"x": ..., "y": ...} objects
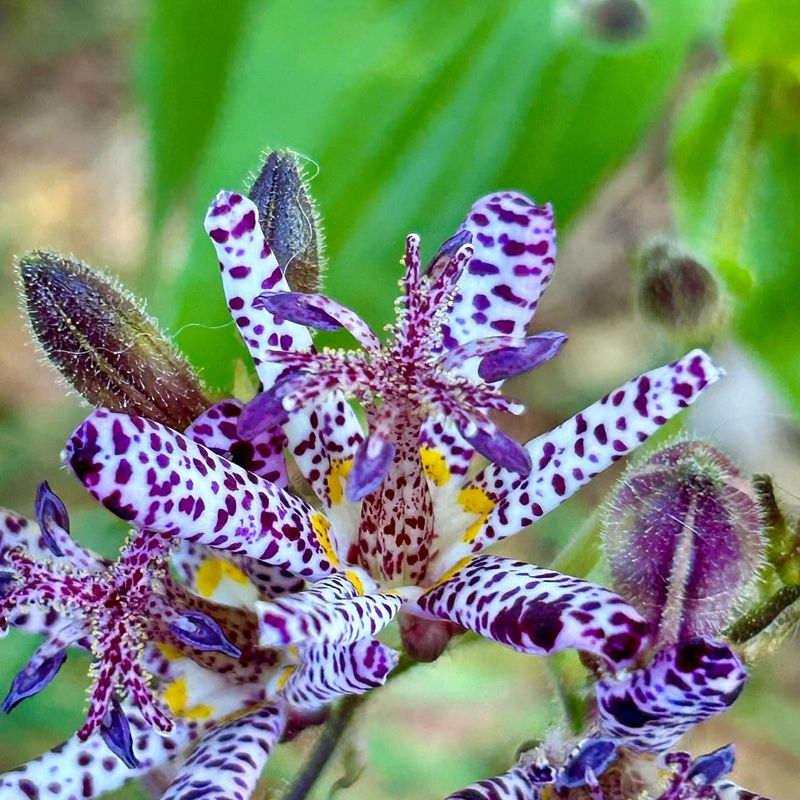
[
  {"x": 295, "y": 307},
  {"x": 502, "y": 450},
  {"x": 713, "y": 766},
  {"x": 31, "y": 679},
  {"x": 116, "y": 732},
  {"x": 201, "y": 632},
  {"x": 447, "y": 253},
  {"x": 264, "y": 412},
  {"x": 52, "y": 516},
  {"x": 7, "y": 581},
  {"x": 512, "y": 361},
  {"x": 592, "y": 757},
  {"x": 650, "y": 709},
  {"x": 370, "y": 467}
]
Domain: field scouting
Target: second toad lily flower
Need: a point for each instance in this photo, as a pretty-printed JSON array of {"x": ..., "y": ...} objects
[{"x": 399, "y": 525}]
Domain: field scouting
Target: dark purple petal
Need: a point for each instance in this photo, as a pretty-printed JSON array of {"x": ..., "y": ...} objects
[
  {"x": 294, "y": 306},
  {"x": 501, "y": 450},
  {"x": 50, "y": 511},
  {"x": 116, "y": 732},
  {"x": 201, "y": 632},
  {"x": 512, "y": 361},
  {"x": 31, "y": 679},
  {"x": 7, "y": 581},
  {"x": 370, "y": 467},
  {"x": 712, "y": 767},
  {"x": 264, "y": 412},
  {"x": 446, "y": 253},
  {"x": 592, "y": 757}
]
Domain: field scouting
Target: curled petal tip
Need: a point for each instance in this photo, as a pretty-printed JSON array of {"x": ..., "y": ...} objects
[
  {"x": 296, "y": 307},
  {"x": 508, "y": 362},
  {"x": 370, "y": 467},
  {"x": 52, "y": 516},
  {"x": 714, "y": 766},
  {"x": 501, "y": 450},
  {"x": 264, "y": 412},
  {"x": 31, "y": 679},
  {"x": 201, "y": 632},
  {"x": 116, "y": 732},
  {"x": 592, "y": 757}
]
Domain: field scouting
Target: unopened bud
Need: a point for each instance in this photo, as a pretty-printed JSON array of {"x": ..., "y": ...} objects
[
  {"x": 425, "y": 639},
  {"x": 683, "y": 536},
  {"x": 783, "y": 539},
  {"x": 100, "y": 339},
  {"x": 616, "y": 20},
  {"x": 676, "y": 290},
  {"x": 289, "y": 219}
]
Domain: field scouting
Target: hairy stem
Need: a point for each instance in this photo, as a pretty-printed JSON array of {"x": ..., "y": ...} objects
[{"x": 763, "y": 615}]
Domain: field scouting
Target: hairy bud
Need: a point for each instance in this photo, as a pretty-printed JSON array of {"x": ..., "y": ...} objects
[
  {"x": 289, "y": 219},
  {"x": 102, "y": 342},
  {"x": 683, "y": 536},
  {"x": 676, "y": 290},
  {"x": 616, "y": 20}
]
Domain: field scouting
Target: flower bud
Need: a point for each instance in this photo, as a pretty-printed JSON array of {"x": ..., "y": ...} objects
[
  {"x": 102, "y": 342},
  {"x": 616, "y": 20},
  {"x": 676, "y": 290},
  {"x": 425, "y": 639},
  {"x": 683, "y": 536},
  {"x": 289, "y": 219}
]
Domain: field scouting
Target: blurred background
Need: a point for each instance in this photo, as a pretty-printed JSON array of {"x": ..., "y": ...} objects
[{"x": 635, "y": 118}]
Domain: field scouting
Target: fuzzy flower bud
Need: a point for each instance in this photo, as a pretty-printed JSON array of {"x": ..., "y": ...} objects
[
  {"x": 289, "y": 219},
  {"x": 676, "y": 290},
  {"x": 683, "y": 536},
  {"x": 102, "y": 342},
  {"x": 616, "y": 20}
]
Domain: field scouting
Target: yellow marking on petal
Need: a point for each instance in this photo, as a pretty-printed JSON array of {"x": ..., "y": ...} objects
[
  {"x": 176, "y": 696},
  {"x": 285, "y": 675},
  {"x": 169, "y": 651},
  {"x": 211, "y": 572},
  {"x": 435, "y": 465},
  {"x": 356, "y": 581},
  {"x": 449, "y": 574},
  {"x": 322, "y": 529},
  {"x": 336, "y": 479},
  {"x": 475, "y": 500}
]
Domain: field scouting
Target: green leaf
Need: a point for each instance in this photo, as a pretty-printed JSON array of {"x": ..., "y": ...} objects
[
  {"x": 412, "y": 111},
  {"x": 734, "y": 168},
  {"x": 763, "y": 33}
]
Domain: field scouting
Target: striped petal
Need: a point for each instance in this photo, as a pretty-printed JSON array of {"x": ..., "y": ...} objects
[
  {"x": 330, "y": 670},
  {"x": 295, "y": 619},
  {"x": 535, "y": 610},
  {"x": 88, "y": 769},
  {"x": 516, "y": 784},
  {"x": 229, "y": 761},
  {"x": 686, "y": 683},
  {"x": 573, "y": 453},
  {"x": 158, "y": 479},
  {"x": 727, "y": 790}
]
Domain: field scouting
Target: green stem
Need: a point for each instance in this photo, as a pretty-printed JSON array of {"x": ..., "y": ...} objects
[
  {"x": 582, "y": 553},
  {"x": 761, "y": 616}
]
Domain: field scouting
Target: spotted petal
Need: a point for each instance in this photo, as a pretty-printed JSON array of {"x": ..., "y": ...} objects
[
  {"x": 685, "y": 684},
  {"x": 228, "y": 762},
  {"x": 727, "y": 790},
  {"x": 88, "y": 769},
  {"x": 535, "y": 610},
  {"x": 322, "y": 439},
  {"x": 516, "y": 784},
  {"x": 158, "y": 479},
  {"x": 330, "y": 670},
  {"x": 573, "y": 453}
]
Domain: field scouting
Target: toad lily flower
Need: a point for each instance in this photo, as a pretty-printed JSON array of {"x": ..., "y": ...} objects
[{"x": 399, "y": 525}]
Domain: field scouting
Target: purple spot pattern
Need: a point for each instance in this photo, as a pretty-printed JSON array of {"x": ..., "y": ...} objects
[
  {"x": 77, "y": 769},
  {"x": 228, "y": 762},
  {"x": 516, "y": 784},
  {"x": 317, "y": 435},
  {"x": 514, "y": 243},
  {"x": 330, "y": 670},
  {"x": 569, "y": 456},
  {"x": 537, "y": 611},
  {"x": 231, "y": 509},
  {"x": 650, "y": 709}
]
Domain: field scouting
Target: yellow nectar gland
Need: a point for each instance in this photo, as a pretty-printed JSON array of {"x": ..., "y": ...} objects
[
  {"x": 211, "y": 572},
  {"x": 322, "y": 528},
  {"x": 339, "y": 471},
  {"x": 435, "y": 466},
  {"x": 474, "y": 500},
  {"x": 176, "y": 696}
]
